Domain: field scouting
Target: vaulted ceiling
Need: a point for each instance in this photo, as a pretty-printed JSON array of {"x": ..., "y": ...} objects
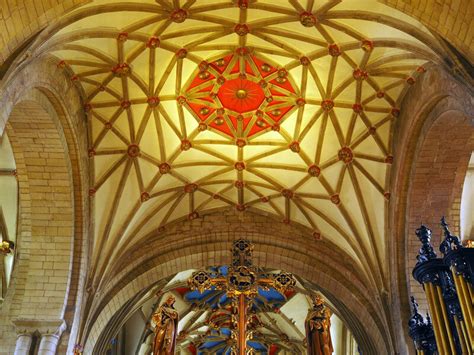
[{"x": 285, "y": 107}]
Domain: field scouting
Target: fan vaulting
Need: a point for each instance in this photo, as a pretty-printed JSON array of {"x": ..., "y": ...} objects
[{"x": 282, "y": 107}]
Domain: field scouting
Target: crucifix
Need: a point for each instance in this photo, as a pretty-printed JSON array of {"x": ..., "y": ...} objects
[{"x": 241, "y": 284}]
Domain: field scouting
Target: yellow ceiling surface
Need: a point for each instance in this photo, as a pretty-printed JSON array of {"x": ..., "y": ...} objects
[{"x": 319, "y": 86}]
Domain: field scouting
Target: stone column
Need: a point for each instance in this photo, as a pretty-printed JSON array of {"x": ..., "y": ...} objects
[
  {"x": 23, "y": 343},
  {"x": 338, "y": 335},
  {"x": 49, "y": 331},
  {"x": 24, "y": 332}
]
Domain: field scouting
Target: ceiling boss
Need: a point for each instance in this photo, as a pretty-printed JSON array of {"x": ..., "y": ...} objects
[{"x": 241, "y": 94}]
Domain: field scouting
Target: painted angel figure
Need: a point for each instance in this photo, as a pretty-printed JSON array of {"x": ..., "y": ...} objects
[
  {"x": 165, "y": 320},
  {"x": 317, "y": 324}
]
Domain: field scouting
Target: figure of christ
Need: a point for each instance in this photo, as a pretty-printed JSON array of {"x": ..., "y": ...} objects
[{"x": 165, "y": 320}]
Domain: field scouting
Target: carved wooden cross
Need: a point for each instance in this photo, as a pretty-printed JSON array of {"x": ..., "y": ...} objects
[{"x": 241, "y": 284}]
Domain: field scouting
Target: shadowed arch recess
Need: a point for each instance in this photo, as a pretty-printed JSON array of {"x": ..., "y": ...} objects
[{"x": 274, "y": 249}]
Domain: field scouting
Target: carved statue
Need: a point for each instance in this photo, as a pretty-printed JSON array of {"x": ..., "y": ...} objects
[
  {"x": 317, "y": 324},
  {"x": 6, "y": 247},
  {"x": 166, "y": 328}
]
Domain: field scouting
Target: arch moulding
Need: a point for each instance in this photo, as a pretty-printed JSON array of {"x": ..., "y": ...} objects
[
  {"x": 433, "y": 142},
  {"x": 41, "y": 111},
  {"x": 207, "y": 241}
]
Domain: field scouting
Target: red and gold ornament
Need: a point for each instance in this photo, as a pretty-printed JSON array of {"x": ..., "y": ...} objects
[
  {"x": 314, "y": 170},
  {"x": 367, "y": 45},
  {"x": 133, "y": 151},
  {"x": 335, "y": 199},
  {"x": 190, "y": 188},
  {"x": 305, "y": 61},
  {"x": 345, "y": 155},
  {"x": 295, "y": 147},
  {"x": 241, "y": 29},
  {"x": 395, "y": 112},
  {"x": 185, "y": 145},
  {"x": 240, "y": 207},
  {"x": 239, "y": 166},
  {"x": 357, "y": 108},
  {"x": 125, "y": 104},
  {"x": 145, "y": 196},
  {"x": 153, "y": 101},
  {"x": 179, "y": 15},
  {"x": 164, "y": 168},
  {"x": 334, "y": 50},
  {"x": 193, "y": 215},
  {"x": 181, "y": 100},
  {"x": 360, "y": 74},
  {"x": 181, "y": 53},
  {"x": 122, "y": 36},
  {"x": 287, "y": 193},
  {"x": 327, "y": 105},
  {"x": 307, "y": 19},
  {"x": 121, "y": 69},
  {"x": 240, "y": 143}
]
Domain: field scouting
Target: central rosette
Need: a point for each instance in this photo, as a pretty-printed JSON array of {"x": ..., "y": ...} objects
[{"x": 240, "y": 94}]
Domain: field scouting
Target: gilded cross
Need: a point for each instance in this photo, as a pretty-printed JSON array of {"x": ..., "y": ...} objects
[{"x": 241, "y": 284}]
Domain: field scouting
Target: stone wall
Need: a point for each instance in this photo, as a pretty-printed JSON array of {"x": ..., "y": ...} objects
[
  {"x": 47, "y": 130},
  {"x": 451, "y": 19},
  {"x": 433, "y": 142}
]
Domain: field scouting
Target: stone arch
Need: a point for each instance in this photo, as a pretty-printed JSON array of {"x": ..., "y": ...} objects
[
  {"x": 43, "y": 117},
  {"x": 207, "y": 241},
  {"x": 441, "y": 17},
  {"x": 435, "y": 139}
]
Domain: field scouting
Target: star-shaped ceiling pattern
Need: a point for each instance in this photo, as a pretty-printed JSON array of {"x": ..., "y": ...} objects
[{"x": 282, "y": 106}]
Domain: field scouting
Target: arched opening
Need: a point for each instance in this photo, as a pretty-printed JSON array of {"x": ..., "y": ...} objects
[
  {"x": 206, "y": 325},
  {"x": 186, "y": 245},
  {"x": 44, "y": 282},
  {"x": 8, "y": 214},
  {"x": 435, "y": 139},
  {"x": 467, "y": 204},
  {"x": 437, "y": 180}
]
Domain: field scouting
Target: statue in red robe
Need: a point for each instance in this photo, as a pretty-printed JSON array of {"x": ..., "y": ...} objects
[
  {"x": 165, "y": 320},
  {"x": 317, "y": 324}
]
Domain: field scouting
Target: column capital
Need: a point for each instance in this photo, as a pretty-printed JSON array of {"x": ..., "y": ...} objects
[{"x": 53, "y": 327}]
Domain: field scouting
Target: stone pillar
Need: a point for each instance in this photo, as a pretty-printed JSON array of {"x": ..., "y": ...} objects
[
  {"x": 50, "y": 333},
  {"x": 49, "y": 330},
  {"x": 24, "y": 332},
  {"x": 23, "y": 343},
  {"x": 338, "y": 335}
]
